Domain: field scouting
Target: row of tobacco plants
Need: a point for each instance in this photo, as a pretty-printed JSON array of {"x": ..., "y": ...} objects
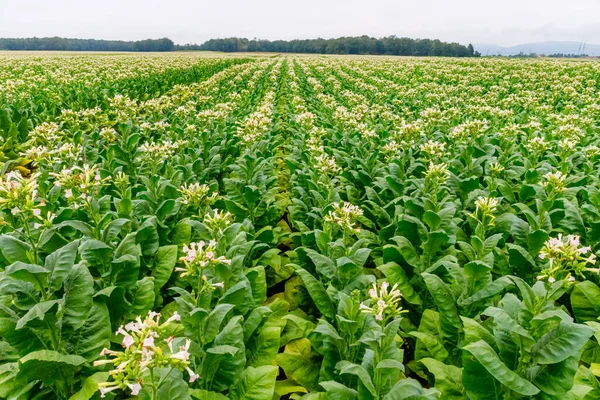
[{"x": 299, "y": 228}]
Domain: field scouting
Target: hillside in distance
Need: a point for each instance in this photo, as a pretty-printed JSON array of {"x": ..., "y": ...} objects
[{"x": 539, "y": 48}]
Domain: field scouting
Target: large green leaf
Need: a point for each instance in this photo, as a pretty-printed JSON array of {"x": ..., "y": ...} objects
[
  {"x": 488, "y": 358},
  {"x": 256, "y": 384},
  {"x": 317, "y": 293},
  {"x": 585, "y": 301},
  {"x": 165, "y": 259},
  {"x": 60, "y": 264},
  {"x": 265, "y": 348},
  {"x": 300, "y": 363},
  {"x": 395, "y": 275},
  {"x": 48, "y": 366},
  {"x": 94, "y": 335},
  {"x": 77, "y": 299},
  {"x": 561, "y": 342},
  {"x": 14, "y": 249}
]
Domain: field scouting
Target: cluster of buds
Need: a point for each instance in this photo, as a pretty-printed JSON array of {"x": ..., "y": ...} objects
[
  {"x": 436, "y": 175},
  {"x": 45, "y": 133},
  {"x": 199, "y": 256},
  {"x": 485, "y": 208},
  {"x": 146, "y": 346},
  {"x": 495, "y": 168},
  {"x": 80, "y": 182},
  {"x": 391, "y": 149},
  {"x": 306, "y": 120},
  {"x": 537, "y": 145},
  {"x": 554, "y": 182},
  {"x": 384, "y": 302},
  {"x": 19, "y": 194},
  {"x": 433, "y": 149},
  {"x": 218, "y": 221},
  {"x": 109, "y": 135},
  {"x": 326, "y": 164},
  {"x": 469, "y": 130},
  {"x": 197, "y": 195},
  {"x": 566, "y": 258},
  {"x": 344, "y": 215},
  {"x": 156, "y": 152},
  {"x": 121, "y": 181}
]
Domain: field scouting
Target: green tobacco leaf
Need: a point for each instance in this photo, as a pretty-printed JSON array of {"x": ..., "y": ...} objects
[
  {"x": 396, "y": 275},
  {"x": 10, "y": 388},
  {"x": 77, "y": 300},
  {"x": 449, "y": 318},
  {"x": 206, "y": 395},
  {"x": 585, "y": 301},
  {"x": 256, "y": 384},
  {"x": 172, "y": 386},
  {"x": 165, "y": 259},
  {"x": 317, "y": 293},
  {"x": 488, "y": 358},
  {"x": 346, "y": 367},
  {"x": 60, "y": 264},
  {"x": 94, "y": 335},
  {"x": 14, "y": 249},
  {"x": 215, "y": 320},
  {"x": 561, "y": 342},
  {"x": 448, "y": 378},
  {"x": 300, "y": 363},
  {"x": 408, "y": 389},
  {"x": 337, "y": 391},
  {"x": 39, "y": 316},
  {"x": 143, "y": 295},
  {"x": 90, "y": 386},
  {"x": 287, "y": 386},
  {"x": 265, "y": 348},
  {"x": 48, "y": 366},
  {"x": 27, "y": 273}
]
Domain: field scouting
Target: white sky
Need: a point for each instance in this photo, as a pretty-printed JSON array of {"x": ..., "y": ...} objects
[{"x": 503, "y": 22}]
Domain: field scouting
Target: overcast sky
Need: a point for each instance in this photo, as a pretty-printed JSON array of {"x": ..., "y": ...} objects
[{"x": 503, "y": 22}]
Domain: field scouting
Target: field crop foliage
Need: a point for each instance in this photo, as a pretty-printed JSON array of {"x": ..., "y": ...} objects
[{"x": 210, "y": 227}]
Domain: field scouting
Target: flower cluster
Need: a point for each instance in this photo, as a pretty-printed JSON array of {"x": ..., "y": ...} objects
[
  {"x": 198, "y": 256},
  {"x": 554, "y": 181},
  {"x": 384, "y": 302},
  {"x": 566, "y": 258},
  {"x": 80, "y": 183},
  {"x": 197, "y": 195},
  {"x": 156, "y": 152},
  {"x": 19, "y": 194},
  {"x": 146, "y": 346},
  {"x": 433, "y": 149},
  {"x": 217, "y": 221},
  {"x": 326, "y": 164},
  {"x": 344, "y": 215},
  {"x": 436, "y": 175}
]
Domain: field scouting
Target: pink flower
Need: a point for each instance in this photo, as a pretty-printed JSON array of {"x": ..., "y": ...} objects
[
  {"x": 135, "y": 388},
  {"x": 127, "y": 341},
  {"x": 148, "y": 342},
  {"x": 193, "y": 376}
]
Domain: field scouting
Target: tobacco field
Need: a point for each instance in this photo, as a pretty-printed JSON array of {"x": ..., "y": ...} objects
[{"x": 202, "y": 226}]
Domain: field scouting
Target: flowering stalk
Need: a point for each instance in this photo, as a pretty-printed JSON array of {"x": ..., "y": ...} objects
[
  {"x": 344, "y": 215},
  {"x": 383, "y": 302},
  {"x": 485, "y": 208},
  {"x": 197, "y": 259},
  {"x": 566, "y": 259},
  {"x": 147, "y": 346}
]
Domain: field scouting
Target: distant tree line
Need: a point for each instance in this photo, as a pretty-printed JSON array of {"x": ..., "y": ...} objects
[
  {"x": 58, "y": 43},
  {"x": 390, "y": 45}
]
